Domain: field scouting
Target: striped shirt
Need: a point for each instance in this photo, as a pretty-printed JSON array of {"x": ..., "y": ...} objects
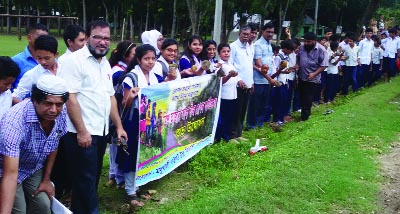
[{"x": 21, "y": 136}]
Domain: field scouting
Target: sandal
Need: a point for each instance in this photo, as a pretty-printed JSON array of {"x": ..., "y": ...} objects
[
  {"x": 144, "y": 194},
  {"x": 134, "y": 200}
]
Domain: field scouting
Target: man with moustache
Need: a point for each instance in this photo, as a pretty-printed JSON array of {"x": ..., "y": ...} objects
[
  {"x": 311, "y": 60},
  {"x": 263, "y": 58},
  {"x": 90, "y": 106}
]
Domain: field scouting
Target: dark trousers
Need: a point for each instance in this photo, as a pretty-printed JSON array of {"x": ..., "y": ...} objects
[
  {"x": 350, "y": 77},
  {"x": 242, "y": 102},
  {"x": 332, "y": 85},
  {"x": 307, "y": 90},
  {"x": 85, "y": 169},
  {"x": 362, "y": 76},
  {"x": 60, "y": 176},
  {"x": 279, "y": 101},
  {"x": 389, "y": 66},
  {"x": 224, "y": 126},
  {"x": 289, "y": 97},
  {"x": 258, "y": 106},
  {"x": 376, "y": 71}
]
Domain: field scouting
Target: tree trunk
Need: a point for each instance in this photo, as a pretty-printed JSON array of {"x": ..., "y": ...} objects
[
  {"x": 281, "y": 22},
  {"x": 115, "y": 20},
  {"x": 147, "y": 17},
  {"x": 8, "y": 18},
  {"x": 131, "y": 25},
  {"x": 193, "y": 14},
  {"x": 106, "y": 10},
  {"x": 173, "y": 21},
  {"x": 372, "y": 6},
  {"x": 84, "y": 14}
]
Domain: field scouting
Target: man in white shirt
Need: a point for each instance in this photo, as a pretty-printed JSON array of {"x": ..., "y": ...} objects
[
  {"x": 242, "y": 59},
  {"x": 366, "y": 46},
  {"x": 90, "y": 106},
  {"x": 74, "y": 38},
  {"x": 391, "y": 50}
]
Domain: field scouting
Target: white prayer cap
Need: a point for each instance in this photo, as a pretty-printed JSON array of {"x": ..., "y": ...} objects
[{"x": 52, "y": 85}]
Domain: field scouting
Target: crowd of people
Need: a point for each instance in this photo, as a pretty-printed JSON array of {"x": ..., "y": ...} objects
[{"x": 59, "y": 112}]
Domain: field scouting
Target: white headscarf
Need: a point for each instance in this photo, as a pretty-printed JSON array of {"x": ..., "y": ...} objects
[{"x": 151, "y": 37}]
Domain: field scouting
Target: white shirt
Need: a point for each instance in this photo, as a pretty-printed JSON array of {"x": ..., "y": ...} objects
[
  {"x": 62, "y": 57},
  {"x": 332, "y": 68},
  {"x": 228, "y": 90},
  {"x": 277, "y": 61},
  {"x": 391, "y": 46},
  {"x": 92, "y": 82},
  {"x": 142, "y": 82},
  {"x": 352, "y": 54},
  {"x": 343, "y": 45},
  {"x": 242, "y": 59},
  {"x": 292, "y": 63},
  {"x": 377, "y": 55},
  {"x": 6, "y": 102},
  {"x": 366, "y": 46},
  {"x": 30, "y": 78}
]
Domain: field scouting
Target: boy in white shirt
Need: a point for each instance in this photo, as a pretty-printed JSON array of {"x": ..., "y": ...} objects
[
  {"x": 352, "y": 61},
  {"x": 228, "y": 94},
  {"x": 332, "y": 78},
  {"x": 9, "y": 71},
  {"x": 377, "y": 58}
]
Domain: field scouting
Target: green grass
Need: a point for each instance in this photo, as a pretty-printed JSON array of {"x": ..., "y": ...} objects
[{"x": 327, "y": 164}]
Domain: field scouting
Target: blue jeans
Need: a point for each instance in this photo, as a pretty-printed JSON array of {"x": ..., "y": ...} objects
[
  {"x": 258, "y": 105},
  {"x": 332, "y": 83},
  {"x": 376, "y": 71},
  {"x": 350, "y": 77},
  {"x": 85, "y": 169},
  {"x": 279, "y": 101}
]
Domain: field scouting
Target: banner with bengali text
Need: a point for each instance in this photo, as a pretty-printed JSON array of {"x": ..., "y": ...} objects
[{"x": 177, "y": 119}]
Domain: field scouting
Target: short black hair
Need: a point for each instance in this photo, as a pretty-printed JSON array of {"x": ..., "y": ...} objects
[
  {"x": 348, "y": 34},
  {"x": 8, "y": 68},
  {"x": 369, "y": 29},
  {"x": 334, "y": 37},
  {"x": 275, "y": 47},
  {"x": 393, "y": 30},
  {"x": 328, "y": 30},
  {"x": 296, "y": 41},
  {"x": 287, "y": 44},
  {"x": 253, "y": 26},
  {"x": 222, "y": 45},
  {"x": 38, "y": 95},
  {"x": 71, "y": 32},
  {"x": 94, "y": 24},
  {"x": 334, "y": 45},
  {"x": 310, "y": 36},
  {"x": 268, "y": 25},
  {"x": 38, "y": 26},
  {"x": 168, "y": 42},
  {"x": 47, "y": 43}
]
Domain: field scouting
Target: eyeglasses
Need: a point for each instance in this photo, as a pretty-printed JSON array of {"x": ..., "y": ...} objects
[
  {"x": 172, "y": 50},
  {"x": 98, "y": 37}
]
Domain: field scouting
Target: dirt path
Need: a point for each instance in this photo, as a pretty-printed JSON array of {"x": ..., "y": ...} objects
[{"x": 389, "y": 194}]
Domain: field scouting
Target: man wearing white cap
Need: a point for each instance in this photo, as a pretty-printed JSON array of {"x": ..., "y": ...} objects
[{"x": 29, "y": 136}]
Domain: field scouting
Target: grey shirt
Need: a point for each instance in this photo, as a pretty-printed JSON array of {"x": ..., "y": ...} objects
[{"x": 309, "y": 62}]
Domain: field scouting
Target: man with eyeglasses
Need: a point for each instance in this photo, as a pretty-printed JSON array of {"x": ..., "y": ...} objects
[{"x": 90, "y": 106}]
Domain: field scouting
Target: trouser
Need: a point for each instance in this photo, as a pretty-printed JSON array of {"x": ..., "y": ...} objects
[
  {"x": 258, "y": 105},
  {"x": 60, "y": 176},
  {"x": 289, "y": 97},
  {"x": 307, "y": 90},
  {"x": 350, "y": 77},
  {"x": 332, "y": 84},
  {"x": 389, "y": 66},
  {"x": 25, "y": 203},
  {"x": 320, "y": 88},
  {"x": 115, "y": 173},
  {"x": 227, "y": 110},
  {"x": 363, "y": 74},
  {"x": 376, "y": 70},
  {"x": 279, "y": 101},
  {"x": 85, "y": 166},
  {"x": 242, "y": 102}
]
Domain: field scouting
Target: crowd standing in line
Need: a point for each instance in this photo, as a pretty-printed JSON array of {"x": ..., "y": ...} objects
[{"x": 261, "y": 82}]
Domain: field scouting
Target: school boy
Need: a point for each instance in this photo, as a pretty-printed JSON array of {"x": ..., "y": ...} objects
[{"x": 9, "y": 71}]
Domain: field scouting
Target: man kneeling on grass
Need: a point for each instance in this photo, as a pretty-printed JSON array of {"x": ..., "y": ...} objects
[{"x": 29, "y": 136}]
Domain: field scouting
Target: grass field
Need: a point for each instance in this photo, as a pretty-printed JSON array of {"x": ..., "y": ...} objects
[{"x": 327, "y": 164}]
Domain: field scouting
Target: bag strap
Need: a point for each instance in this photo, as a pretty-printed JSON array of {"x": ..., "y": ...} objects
[{"x": 165, "y": 69}]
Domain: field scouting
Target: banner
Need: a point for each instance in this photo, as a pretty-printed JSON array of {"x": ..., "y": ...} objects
[{"x": 177, "y": 120}]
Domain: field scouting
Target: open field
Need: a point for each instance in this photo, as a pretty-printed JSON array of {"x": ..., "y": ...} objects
[{"x": 329, "y": 164}]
